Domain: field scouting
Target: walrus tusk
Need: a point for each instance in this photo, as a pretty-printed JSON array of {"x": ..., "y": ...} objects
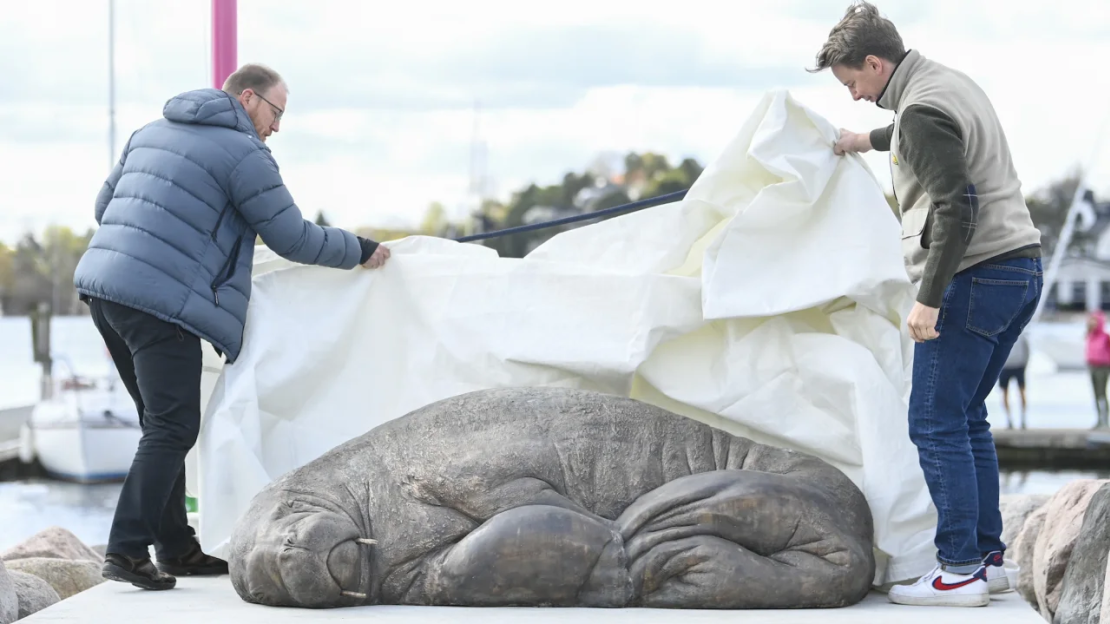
[
  {"x": 352, "y": 594},
  {"x": 367, "y": 541}
]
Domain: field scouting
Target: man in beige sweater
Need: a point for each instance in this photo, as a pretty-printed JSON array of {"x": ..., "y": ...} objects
[{"x": 972, "y": 249}]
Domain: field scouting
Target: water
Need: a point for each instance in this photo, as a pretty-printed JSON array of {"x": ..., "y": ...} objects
[
  {"x": 27, "y": 507},
  {"x": 76, "y": 344},
  {"x": 1043, "y": 481}
]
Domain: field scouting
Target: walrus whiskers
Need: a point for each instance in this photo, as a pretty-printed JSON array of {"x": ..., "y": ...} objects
[
  {"x": 352, "y": 594},
  {"x": 367, "y": 541}
]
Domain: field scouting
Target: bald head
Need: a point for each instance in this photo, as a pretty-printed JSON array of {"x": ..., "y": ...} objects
[{"x": 263, "y": 94}]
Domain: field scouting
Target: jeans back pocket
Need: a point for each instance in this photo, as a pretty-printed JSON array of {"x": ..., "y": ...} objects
[{"x": 995, "y": 303}]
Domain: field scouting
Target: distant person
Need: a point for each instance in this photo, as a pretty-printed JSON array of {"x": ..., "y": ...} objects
[
  {"x": 1098, "y": 362},
  {"x": 972, "y": 250},
  {"x": 1014, "y": 370},
  {"x": 171, "y": 265}
]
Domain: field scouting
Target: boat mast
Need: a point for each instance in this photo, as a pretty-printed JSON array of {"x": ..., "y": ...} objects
[{"x": 112, "y": 156}]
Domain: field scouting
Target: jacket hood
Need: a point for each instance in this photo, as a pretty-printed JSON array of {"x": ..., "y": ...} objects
[{"x": 209, "y": 107}]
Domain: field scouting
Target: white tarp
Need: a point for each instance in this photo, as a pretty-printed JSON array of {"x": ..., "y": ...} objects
[{"x": 770, "y": 302}]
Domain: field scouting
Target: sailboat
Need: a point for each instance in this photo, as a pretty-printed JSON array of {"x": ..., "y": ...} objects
[{"x": 87, "y": 430}]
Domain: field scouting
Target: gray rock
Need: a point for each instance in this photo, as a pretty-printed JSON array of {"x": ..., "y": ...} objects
[
  {"x": 34, "y": 593},
  {"x": 1057, "y": 539},
  {"x": 100, "y": 549},
  {"x": 1081, "y": 597},
  {"x": 555, "y": 497},
  {"x": 55, "y": 543},
  {"x": 1016, "y": 509},
  {"x": 1024, "y": 547},
  {"x": 1104, "y": 609},
  {"x": 9, "y": 600},
  {"x": 67, "y": 577}
]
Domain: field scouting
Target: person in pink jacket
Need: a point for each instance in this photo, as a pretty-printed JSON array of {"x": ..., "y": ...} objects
[{"x": 1098, "y": 360}]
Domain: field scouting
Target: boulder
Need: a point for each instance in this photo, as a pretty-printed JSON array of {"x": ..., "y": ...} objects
[
  {"x": 1104, "y": 610},
  {"x": 1057, "y": 539},
  {"x": 1023, "y": 548},
  {"x": 1016, "y": 508},
  {"x": 1085, "y": 575},
  {"x": 67, "y": 577},
  {"x": 9, "y": 600},
  {"x": 34, "y": 593},
  {"x": 54, "y": 543}
]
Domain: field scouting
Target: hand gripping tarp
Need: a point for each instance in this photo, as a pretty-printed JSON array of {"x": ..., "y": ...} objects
[{"x": 770, "y": 302}]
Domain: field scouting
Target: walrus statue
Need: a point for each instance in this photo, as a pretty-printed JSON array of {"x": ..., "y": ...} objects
[{"x": 555, "y": 497}]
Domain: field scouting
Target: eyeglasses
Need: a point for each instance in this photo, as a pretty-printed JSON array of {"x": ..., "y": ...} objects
[{"x": 278, "y": 112}]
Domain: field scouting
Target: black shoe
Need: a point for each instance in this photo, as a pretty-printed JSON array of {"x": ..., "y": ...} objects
[
  {"x": 139, "y": 572},
  {"x": 193, "y": 563}
]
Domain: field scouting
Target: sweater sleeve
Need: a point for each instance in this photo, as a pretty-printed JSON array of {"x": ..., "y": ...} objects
[
  {"x": 932, "y": 147},
  {"x": 881, "y": 138},
  {"x": 368, "y": 247}
]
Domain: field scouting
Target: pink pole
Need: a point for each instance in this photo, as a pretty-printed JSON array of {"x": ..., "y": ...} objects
[{"x": 224, "y": 44}]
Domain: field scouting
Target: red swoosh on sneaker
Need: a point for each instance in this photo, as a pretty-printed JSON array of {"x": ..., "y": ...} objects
[{"x": 942, "y": 586}]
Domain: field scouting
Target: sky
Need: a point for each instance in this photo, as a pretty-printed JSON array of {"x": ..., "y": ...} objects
[{"x": 385, "y": 97}]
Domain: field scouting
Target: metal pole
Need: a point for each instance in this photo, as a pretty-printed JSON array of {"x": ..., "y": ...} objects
[
  {"x": 224, "y": 41},
  {"x": 112, "y": 156},
  {"x": 1069, "y": 225},
  {"x": 1061, "y": 246}
]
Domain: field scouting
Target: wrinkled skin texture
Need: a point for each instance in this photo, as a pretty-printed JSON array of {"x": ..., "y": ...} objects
[{"x": 555, "y": 497}]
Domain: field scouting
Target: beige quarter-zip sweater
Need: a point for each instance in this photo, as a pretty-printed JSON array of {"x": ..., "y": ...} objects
[{"x": 958, "y": 192}]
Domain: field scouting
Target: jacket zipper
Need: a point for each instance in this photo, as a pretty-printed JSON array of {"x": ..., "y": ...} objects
[
  {"x": 229, "y": 269},
  {"x": 890, "y": 164},
  {"x": 216, "y": 283},
  {"x": 220, "y": 220}
]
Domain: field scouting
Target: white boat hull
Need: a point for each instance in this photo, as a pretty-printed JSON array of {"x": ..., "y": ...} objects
[
  {"x": 86, "y": 432},
  {"x": 86, "y": 453},
  {"x": 1063, "y": 343}
]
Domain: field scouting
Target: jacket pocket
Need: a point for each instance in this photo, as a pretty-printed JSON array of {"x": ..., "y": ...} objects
[
  {"x": 226, "y": 271},
  {"x": 915, "y": 225},
  {"x": 220, "y": 220}
]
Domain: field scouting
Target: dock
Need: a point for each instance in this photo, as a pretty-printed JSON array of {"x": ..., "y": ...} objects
[
  {"x": 11, "y": 419},
  {"x": 1053, "y": 448},
  {"x": 198, "y": 599}
]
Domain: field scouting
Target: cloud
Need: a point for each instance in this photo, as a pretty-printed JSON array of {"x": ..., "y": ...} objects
[
  {"x": 55, "y": 52},
  {"x": 530, "y": 67},
  {"x": 381, "y": 116},
  {"x": 343, "y": 55}
]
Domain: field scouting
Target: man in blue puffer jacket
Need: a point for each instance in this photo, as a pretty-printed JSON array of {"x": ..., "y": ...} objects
[{"x": 171, "y": 265}]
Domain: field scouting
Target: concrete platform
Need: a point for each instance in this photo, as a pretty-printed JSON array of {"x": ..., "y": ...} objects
[{"x": 208, "y": 601}]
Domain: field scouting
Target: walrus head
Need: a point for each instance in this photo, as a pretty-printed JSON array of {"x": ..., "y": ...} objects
[{"x": 300, "y": 549}]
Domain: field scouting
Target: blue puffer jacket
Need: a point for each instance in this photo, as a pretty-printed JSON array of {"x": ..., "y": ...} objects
[{"x": 179, "y": 214}]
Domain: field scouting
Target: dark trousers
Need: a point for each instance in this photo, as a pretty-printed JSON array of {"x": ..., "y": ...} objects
[
  {"x": 1099, "y": 376},
  {"x": 160, "y": 365}
]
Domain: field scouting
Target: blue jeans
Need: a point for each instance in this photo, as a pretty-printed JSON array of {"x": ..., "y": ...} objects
[{"x": 984, "y": 310}]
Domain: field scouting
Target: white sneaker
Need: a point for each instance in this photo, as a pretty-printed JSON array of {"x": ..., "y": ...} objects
[
  {"x": 944, "y": 589},
  {"x": 1002, "y": 574}
]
